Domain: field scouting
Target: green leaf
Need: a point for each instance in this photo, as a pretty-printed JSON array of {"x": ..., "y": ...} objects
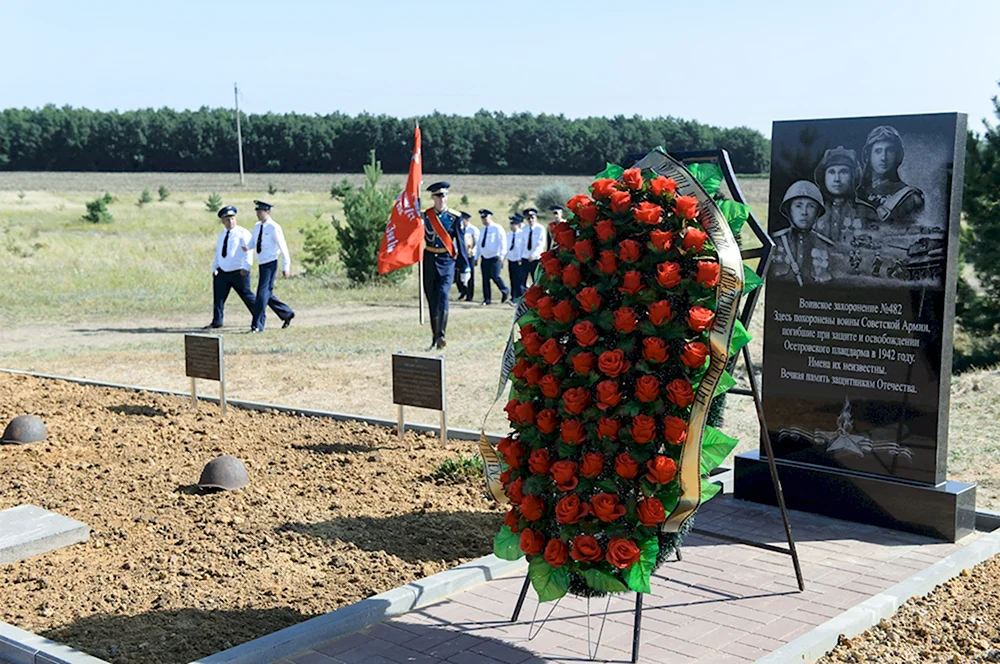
[
  {"x": 709, "y": 175},
  {"x": 549, "y": 582},
  {"x": 715, "y": 447},
  {"x": 637, "y": 576},
  {"x": 531, "y": 317},
  {"x": 709, "y": 490},
  {"x": 740, "y": 339},
  {"x": 726, "y": 383},
  {"x": 736, "y": 214},
  {"x": 603, "y": 581},
  {"x": 613, "y": 171},
  {"x": 751, "y": 281},
  {"x": 507, "y": 545}
]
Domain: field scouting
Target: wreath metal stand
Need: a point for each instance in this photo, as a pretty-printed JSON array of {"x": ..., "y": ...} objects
[{"x": 763, "y": 254}]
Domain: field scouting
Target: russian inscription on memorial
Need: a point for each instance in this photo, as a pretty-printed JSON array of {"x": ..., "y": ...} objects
[
  {"x": 418, "y": 381},
  {"x": 203, "y": 356}
]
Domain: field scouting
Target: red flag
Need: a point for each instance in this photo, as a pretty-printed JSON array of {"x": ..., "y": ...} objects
[{"x": 404, "y": 233}]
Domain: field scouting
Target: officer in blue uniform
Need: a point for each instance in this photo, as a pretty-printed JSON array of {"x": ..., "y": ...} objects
[{"x": 439, "y": 260}]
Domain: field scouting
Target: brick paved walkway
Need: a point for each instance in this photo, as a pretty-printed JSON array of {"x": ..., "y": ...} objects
[{"x": 723, "y": 603}]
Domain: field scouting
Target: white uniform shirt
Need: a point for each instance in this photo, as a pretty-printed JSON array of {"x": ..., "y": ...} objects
[
  {"x": 236, "y": 258},
  {"x": 492, "y": 242},
  {"x": 537, "y": 232},
  {"x": 515, "y": 245},
  {"x": 272, "y": 244},
  {"x": 473, "y": 233}
]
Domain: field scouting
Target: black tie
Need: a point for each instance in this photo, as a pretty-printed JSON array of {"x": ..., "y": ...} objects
[
  {"x": 529, "y": 238},
  {"x": 225, "y": 245},
  {"x": 512, "y": 238},
  {"x": 482, "y": 245},
  {"x": 260, "y": 238}
]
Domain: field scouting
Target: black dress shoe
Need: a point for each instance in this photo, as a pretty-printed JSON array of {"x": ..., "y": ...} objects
[
  {"x": 484, "y": 304},
  {"x": 288, "y": 321},
  {"x": 254, "y": 330},
  {"x": 441, "y": 343},
  {"x": 504, "y": 298},
  {"x": 211, "y": 326}
]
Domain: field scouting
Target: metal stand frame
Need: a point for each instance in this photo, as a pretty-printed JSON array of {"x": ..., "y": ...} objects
[{"x": 720, "y": 158}]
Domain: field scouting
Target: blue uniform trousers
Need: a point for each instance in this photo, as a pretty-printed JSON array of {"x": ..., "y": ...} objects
[
  {"x": 491, "y": 273},
  {"x": 528, "y": 270},
  {"x": 439, "y": 273},
  {"x": 222, "y": 283},
  {"x": 514, "y": 271},
  {"x": 266, "y": 298}
]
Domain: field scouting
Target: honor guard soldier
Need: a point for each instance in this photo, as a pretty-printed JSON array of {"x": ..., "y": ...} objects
[
  {"x": 268, "y": 241},
  {"x": 534, "y": 247},
  {"x": 515, "y": 249},
  {"x": 467, "y": 280},
  {"x": 557, "y": 217},
  {"x": 801, "y": 250},
  {"x": 444, "y": 245},
  {"x": 491, "y": 250},
  {"x": 231, "y": 267}
]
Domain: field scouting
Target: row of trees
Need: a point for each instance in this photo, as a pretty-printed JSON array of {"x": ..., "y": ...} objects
[{"x": 78, "y": 139}]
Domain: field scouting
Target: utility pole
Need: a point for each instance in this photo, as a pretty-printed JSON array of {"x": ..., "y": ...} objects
[{"x": 239, "y": 134}]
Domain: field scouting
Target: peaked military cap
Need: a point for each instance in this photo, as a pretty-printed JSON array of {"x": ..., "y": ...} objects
[
  {"x": 228, "y": 211},
  {"x": 484, "y": 212},
  {"x": 516, "y": 219},
  {"x": 439, "y": 187},
  {"x": 464, "y": 215},
  {"x": 553, "y": 208},
  {"x": 261, "y": 205},
  {"x": 527, "y": 211}
]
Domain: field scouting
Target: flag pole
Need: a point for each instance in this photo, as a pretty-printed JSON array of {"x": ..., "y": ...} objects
[{"x": 420, "y": 262}]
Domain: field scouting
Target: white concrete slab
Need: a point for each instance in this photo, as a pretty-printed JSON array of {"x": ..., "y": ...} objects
[{"x": 28, "y": 530}]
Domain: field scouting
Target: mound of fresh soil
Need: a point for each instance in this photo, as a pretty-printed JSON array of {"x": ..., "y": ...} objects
[{"x": 335, "y": 512}]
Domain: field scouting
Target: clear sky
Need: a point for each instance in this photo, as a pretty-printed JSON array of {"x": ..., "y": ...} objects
[{"x": 731, "y": 63}]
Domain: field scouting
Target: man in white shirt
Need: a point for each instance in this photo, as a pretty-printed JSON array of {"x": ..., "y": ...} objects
[
  {"x": 534, "y": 246},
  {"x": 515, "y": 250},
  {"x": 490, "y": 250},
  {"x": 268, "y": 241},
  {"x": 467, "y": 289},
  {"x": 231, "y": 267}
]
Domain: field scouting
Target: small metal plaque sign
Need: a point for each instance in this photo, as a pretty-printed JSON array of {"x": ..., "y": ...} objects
[
  {"x": 203, "y": 356},
  {"x": 418, "y": 381}
]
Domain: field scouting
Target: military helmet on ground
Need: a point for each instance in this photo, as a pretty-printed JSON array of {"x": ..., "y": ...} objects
[
  {"x": 24, "y": 429},
  {"x": 226, "y": 473}
]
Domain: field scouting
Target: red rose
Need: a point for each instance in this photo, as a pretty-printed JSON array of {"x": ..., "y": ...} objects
[
  {"x": 551, "y": 351},
  {"x": 686, "y": 207},
  {"x": 675, "y": 430},
  {"x": 532, "y": 295},
  {"x": 532, "y": 507},
  {"x": 603, "y": 188},
  {"x": 545, "y": 305},
  {"x": 525, "y": 413},
  {"x": 515, "y": 491},
  {"x": 591, "y": 465},
  {"x": 708, "y": 273},
  {"x": 571, "y": 275},
  {"x": 564, "y": 312},
  {"x": 564, "y": 475},
  {"x": 607, "y": 264},
  {"x": 505, "y": 476},
  {"x": 531, "y": 542},
  {"x": 622, "y": 552},
  {"x": 632, "y": 178},
  {"x": 512, "y": 519},
  {"x": 661, "y": 184},
  {"x": 662, "y": 240},
  {"x": 556, "y": 552},
  {"x": 585, "y": 333},
  {"x": 583, "y": 363},
  {"x": 551, "y": 386},
  {"x": 679, "y": 392},
  {"x": 668, "y": 274},
  {"x": 551, "y": 264},
  {"x": 565, "y": 235},
  {"x": 547, "y": 421},
  {"x": 532, "y": 343},
  {"x": 576, "y": 399},
  {"x": 643, "y": 428},
  {"x": 621, "y": 201},
  {"x": 607, "y": 394},
  {"x": 605, "y": 230},
  {"x": 626, "y": 467},
  {"x": 584, "y": 250},
  {"x": 694, "y": 354},
  {"x": 632, "y": 283},
  {"x": 608, "y": 427},
  {"x": 625, "y": 320},
  {"x": 533, "y": 375},
  {"x": 509, "y": 409},
  {"x": 589, "y": 299},
  {"x": 648, "y": 213},
  {"x": 654, "y": 350},
  {"x": 694, "y": 238},
  {"x": 629, "y": 251},
  {"x": 700, "y": 319},
  {"x": 612, "y": 363},
  {"x": 577, "y": 202},
  {"x": 512, "y": 452},
  {"x": 647, "y": 389},
  {"x": 569, "y": 509},
  {"x": 586, "y": 549},
  {"x": 588, "y": 214},
  {"x": 662, "y": 470},
  {"x": 651, "y": 512},
  {"x": 539, "y": 461},
  {"x": 606, "y": 508},
  {"x": 571, "y": 431},
  {"x": 519, "y": 368},
  {"x": 660, "y": 313}
]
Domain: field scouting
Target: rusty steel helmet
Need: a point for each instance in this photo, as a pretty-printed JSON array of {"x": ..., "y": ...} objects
[
  {"x": 802, "y": 189},
  {"x": 24, "y": 429},
  {"x": 226, "y": 473}
]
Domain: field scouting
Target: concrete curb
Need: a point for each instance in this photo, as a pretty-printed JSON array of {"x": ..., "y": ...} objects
[
  {"x": 20, "y": 647},
  {"x": 817, "y": 642},
  {"x": 365, "y": 613}
]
